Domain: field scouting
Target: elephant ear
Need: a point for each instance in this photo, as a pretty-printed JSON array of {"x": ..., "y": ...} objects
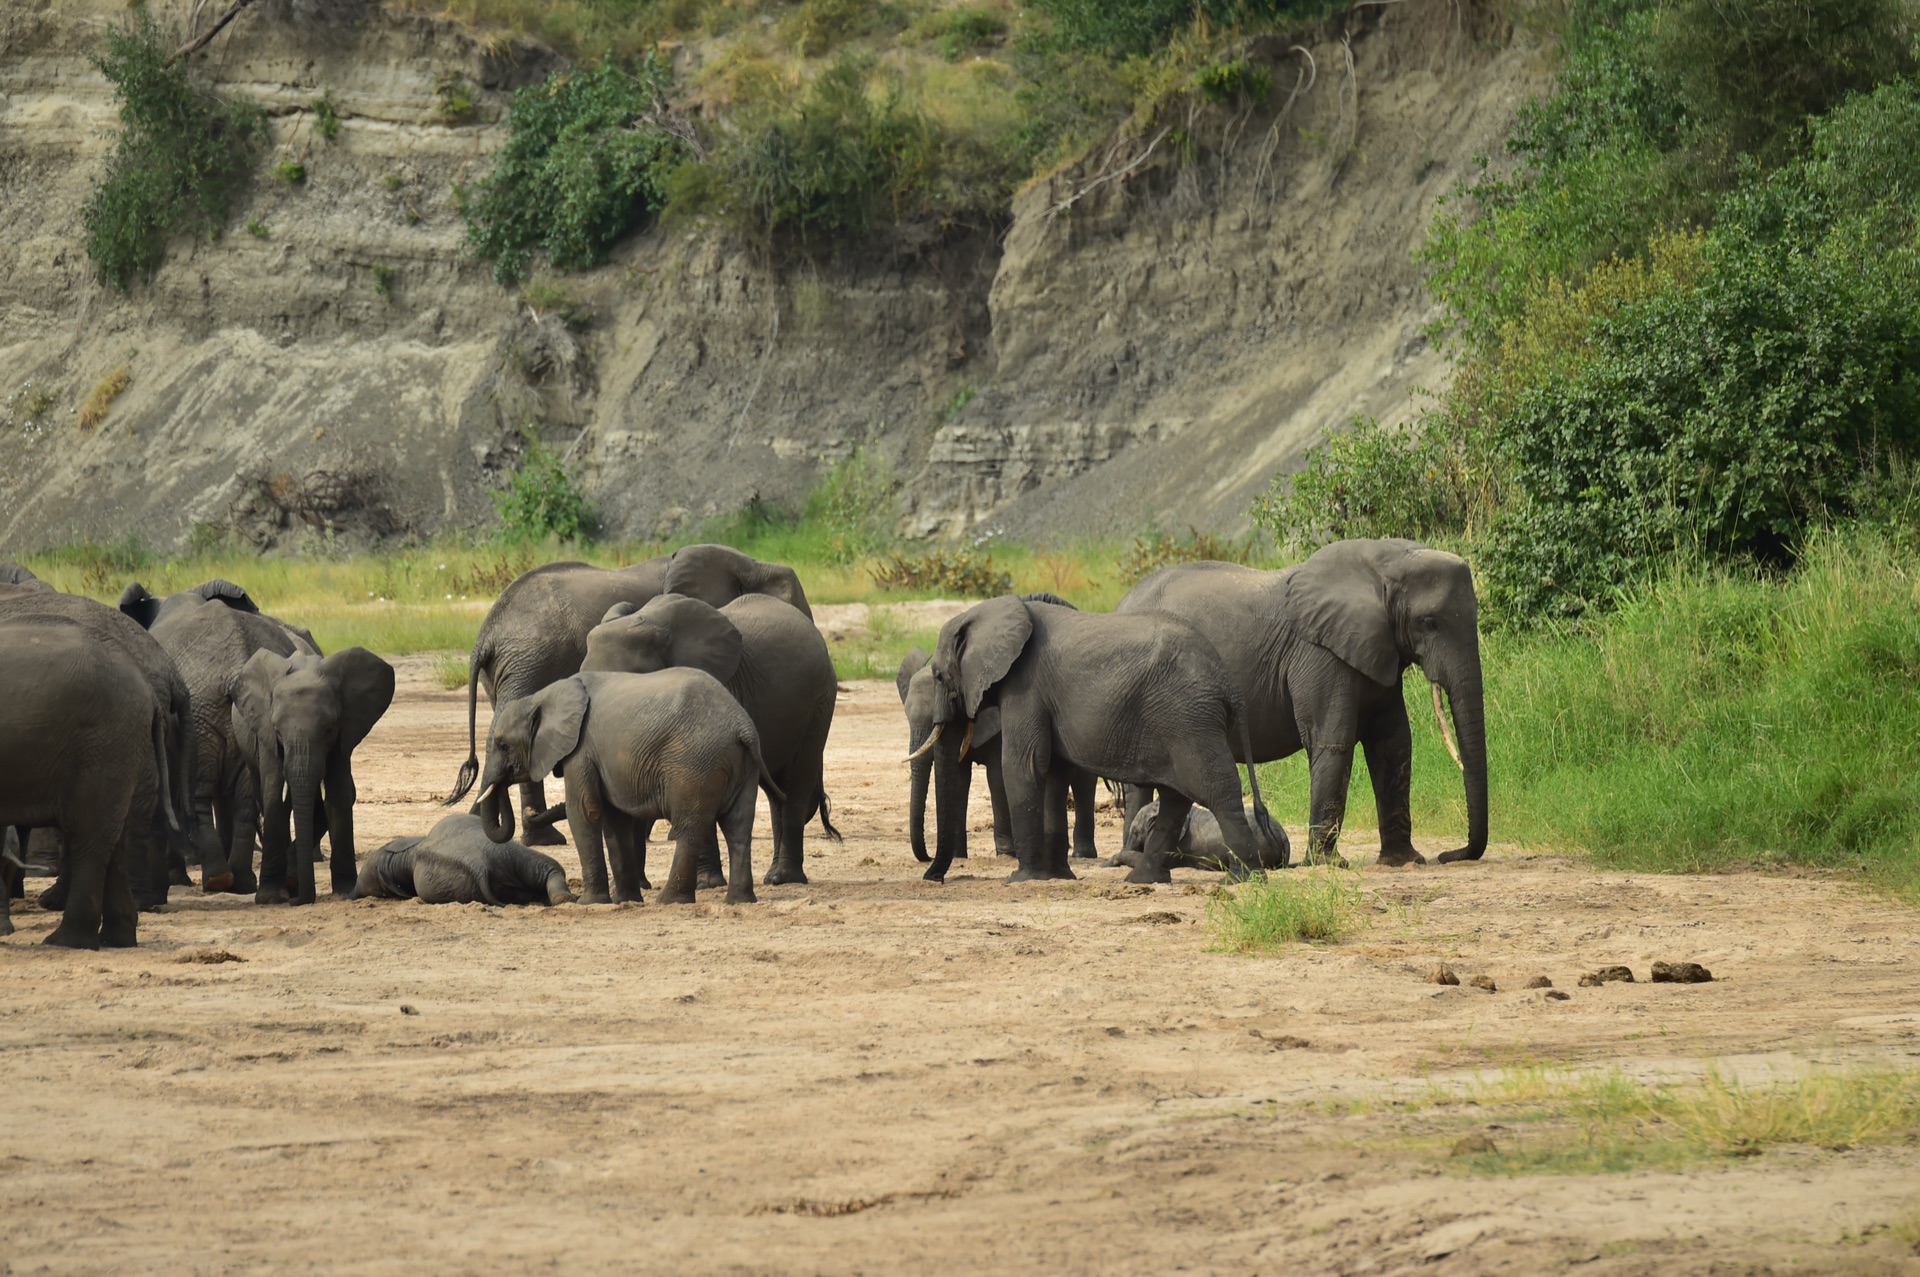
[
  {"x": 910, "y": 664},
  {"x": 365, "y": 686},
  {"x": 618, "y": 610},
  {"x": 219, "y": 591},
  {"x": 252, "y": 696},
  {"x": 979, "y": 646},
  {"x": 304, "y": 637},
  {"x": 138, "y": 604},
  {"x": 1339, "y": 600},
  {"x": 986, "y": 726},
  {"x": 559, "y": 717},
  {"x": 702, "y": 636},
  {"x": 711, "y": 573},
  {"x": 779, "y": 581}
]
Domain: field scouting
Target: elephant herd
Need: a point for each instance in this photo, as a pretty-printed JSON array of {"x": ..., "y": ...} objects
[{"x": 180, "y": 730}]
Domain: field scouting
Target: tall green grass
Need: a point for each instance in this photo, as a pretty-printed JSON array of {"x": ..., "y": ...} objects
[{"x": 1716, "y": 719}]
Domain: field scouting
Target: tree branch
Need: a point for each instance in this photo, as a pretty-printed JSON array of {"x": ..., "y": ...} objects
[{"x": 200, "y": 42}]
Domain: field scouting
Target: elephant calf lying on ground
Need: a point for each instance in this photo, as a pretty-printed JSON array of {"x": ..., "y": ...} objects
[
  {"x": 456, "y": 863},
  {"x": 1197, "y": 846}
]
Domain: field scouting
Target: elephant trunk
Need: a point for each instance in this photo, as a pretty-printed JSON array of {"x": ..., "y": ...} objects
[
  {"x": 917, "y": 808},
  {"x": 1467, "y": 694},
  {"x": 495, "y": 812},
  {"x": 303, "y": 770}
]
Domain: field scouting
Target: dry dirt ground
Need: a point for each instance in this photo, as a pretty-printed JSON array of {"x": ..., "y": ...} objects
[{"x": 874, "y": 1074}]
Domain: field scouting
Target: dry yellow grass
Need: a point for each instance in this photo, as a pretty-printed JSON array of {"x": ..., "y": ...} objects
[{"x": 100, "y": 402}]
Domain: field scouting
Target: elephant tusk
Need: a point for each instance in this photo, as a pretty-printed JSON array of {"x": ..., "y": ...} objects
[
  {"x": 1446, "y": 733},
  {"x": 486, "y": 794},
  {"x": 966, "y": 742},
  {"x": 918, "y": 753}
]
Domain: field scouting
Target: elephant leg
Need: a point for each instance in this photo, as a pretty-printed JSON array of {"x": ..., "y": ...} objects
[
  {"x": 276, "y": 846},
  {"x": 736, "y": 823},
  {"x": 1331, "y": 769},
  {"x": 1026, "y": 788},
  {"x": 533, "y": 801},
  {"x": 997, "y": 800},
  {"x": 92, "y": 839},
  {"x": 619, "y": 829},
  {"x": 711, "y": 877},
  {"x": 340, "y": 797},
  {"x": 1163, "y": 838},
  {"x": 1085, "y": 787},
  {"x": 642, "y": 835},
  {"x": 584, "y": 822},
  {"x": 120, "y": 910},
  {"x": 235, "y": 816},
  {"x": 1055, "y": 822},
  {"x": 803, "y": 781},
  {"x": 1389, "y": 749},
  {"x": 691, "y": 839}
]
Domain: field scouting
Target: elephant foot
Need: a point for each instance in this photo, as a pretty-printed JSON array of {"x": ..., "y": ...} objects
[
  {"x": 1000, "y": 849},
  {"x": 54, "y": 898},
  {"x": 1459, "y": 854},
  {"x": 1040, "y": 875},
  {"x": 1395, "y": 859},
  {"x": 1088, "y": 854},
  {"x": 780, "y": 875},
  {"x": 742, "y": 896},
  {"x": 243, "y": 885},
  {"x": 710, "y": 880},
  {"x": 112, "y": 937},
  {"x": 148, "y": 903},
  {"x": 270, "y": 896},
  {"x": 595, "y": 898},
  {"x": 177, "y": 876},
  {"x": 6, "y": 926},
  {"x": 1141, "y": 873},
  {"x": 543, "y": 836},
  {"x": 672, "y": 895},
  {"x": 66, "y": 937},
  {"x": 646, "y": 883},
  {"x": 302, "y": 898},
  {"x": 935, "y": 875},
  {"x": 1333, "y": 858},
  {"x": 212, "y": 884}
]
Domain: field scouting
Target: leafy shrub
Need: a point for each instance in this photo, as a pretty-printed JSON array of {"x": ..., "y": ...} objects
[
  {"x": 970, "y": 28},
  {"x": 1422, "y": 481},
  {"x": 542, "y": 501},
  {"x": 815, "y": 26},
  {"x": 1233, "y": 81},
  {"x": 1137, "y": 26},
  {"x": 290, "y": 172},
  {"x": 584, "y": 165},
  {"x": 855, "y": 506},
  {"x": 452, "y": 98},
  {"x": 183, "y": 161},
  {"x": 1154, "y": 549},
  {"x": 326, "y": 119},
  {"x": 959, "y": 572}
]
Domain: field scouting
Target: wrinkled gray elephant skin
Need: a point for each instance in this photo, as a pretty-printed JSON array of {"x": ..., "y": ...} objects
[
  {"x": 147, "y": 863},
  {"x": 775, "y": 663},
  {"x": 536, "y": 632},
  {"x": 456, "y": 863},
  {"x": 1320, "y": 650},
  {"x": 96, "y": 780},
  {"x": 1143, "y": 699},
  {"x": 1199, "y": 844},
  {"x": 297, "y": 720},
  {"x": 635, "y": 749},
  {"x": 210, "y": 632}
]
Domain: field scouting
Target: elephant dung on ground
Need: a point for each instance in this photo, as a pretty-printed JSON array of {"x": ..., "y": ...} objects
[
  {"x": 1198, "y": 845},
  {"x": 1142, "y": 699},
  {"x": 774, "y": 662},
  {"x": 211, "y": 631},
  {"x": 297, "y": 720},
  {"x": 634, "y": 749},
  {"x": 456, "y": 863},
  {"x": 535, "y": 634},
  {"x": 1320, "y": 649}
]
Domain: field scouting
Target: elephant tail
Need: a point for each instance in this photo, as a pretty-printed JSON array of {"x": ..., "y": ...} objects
[
  {"x": 158, "y": 730},
  {"x": 826, "y": 818},
  {"x": 470, "y": 770},
  {"x": 1262, "y": 819},
  {"x": 751, "y": 739}
]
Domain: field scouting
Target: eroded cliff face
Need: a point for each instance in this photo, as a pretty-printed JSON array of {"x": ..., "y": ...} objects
[{"x": 1158, "y": 332}]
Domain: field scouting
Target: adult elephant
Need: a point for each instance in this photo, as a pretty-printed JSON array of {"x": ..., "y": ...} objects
[
  {"x": 95, "y": 779},
  {"x": 1320, "y": 649},
  {"x": 1143, "y": 699},
  {"x": 147, "y": 864},
  {"x": 297, "y": 720},
  {"x": 456, "y": 863},
  {"x": 12, "y": 573},
  {"x": 775, "y": 663},
  {"x": 535, "y": 634},
  {"x": 211, "y": 631},
  {"x": 634, "y": 749}
]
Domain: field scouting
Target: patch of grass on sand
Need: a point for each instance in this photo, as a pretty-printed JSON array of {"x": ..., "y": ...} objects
[{"x": 1268, "y": 912}]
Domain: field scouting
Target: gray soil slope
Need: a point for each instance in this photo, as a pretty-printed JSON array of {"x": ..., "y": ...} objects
[{"x": 1151, "y": 338}]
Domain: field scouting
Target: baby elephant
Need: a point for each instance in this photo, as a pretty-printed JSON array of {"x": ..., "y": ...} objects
[
  {"x": 1199, "y": 845},
  {"x": 457, "y": 864}
]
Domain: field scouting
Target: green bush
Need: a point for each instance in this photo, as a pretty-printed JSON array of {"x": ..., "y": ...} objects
[
  {"x": 1154, "y": 549},
  {"x": 965, "y": 573},
  {"x": 584, "y": 165},
  {"x": 1138, "y": 26},
  {"x": 542, "y": 500},
  {"x": 183, "y": 162},
  {"x": 854, "y": 506},
  {"x": 1420, "y": 481}
]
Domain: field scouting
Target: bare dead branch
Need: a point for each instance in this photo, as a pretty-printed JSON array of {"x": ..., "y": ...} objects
[{"x": 200, "y": 42}]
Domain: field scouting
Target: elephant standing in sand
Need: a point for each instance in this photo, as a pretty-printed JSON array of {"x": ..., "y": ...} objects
[
  {"x": 536, "y": 632},
  {"x": 1320, "y": 649}
]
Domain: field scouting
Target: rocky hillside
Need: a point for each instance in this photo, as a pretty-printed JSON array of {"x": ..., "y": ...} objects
[{"x": 1161, "y": 328}]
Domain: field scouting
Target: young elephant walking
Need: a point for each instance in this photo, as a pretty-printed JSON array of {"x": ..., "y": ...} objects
[
  {"x": 634, "y": 749},
  {"x": 456, "y": 863}
]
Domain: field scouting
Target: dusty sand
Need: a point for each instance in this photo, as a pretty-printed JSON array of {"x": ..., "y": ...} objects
[{"x": 873, "y": 1074}]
